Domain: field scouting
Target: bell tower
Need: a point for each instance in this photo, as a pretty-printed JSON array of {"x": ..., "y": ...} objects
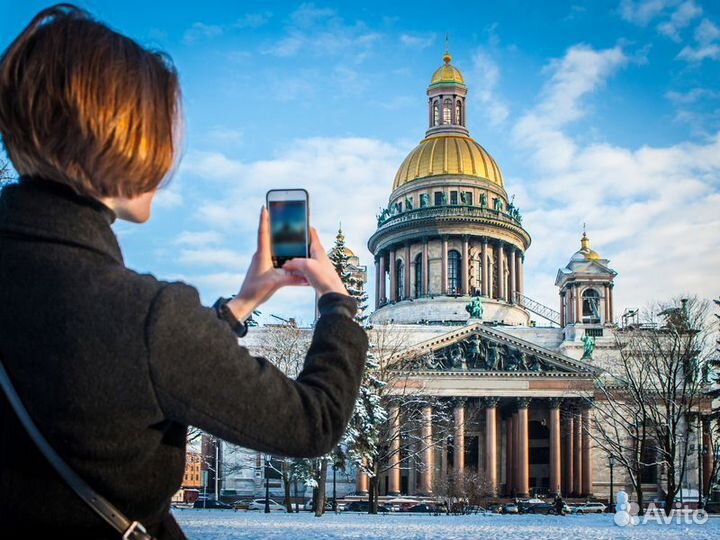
[
  {"x": 446, "y": 100},
  {"x": 586, "y": 290}
]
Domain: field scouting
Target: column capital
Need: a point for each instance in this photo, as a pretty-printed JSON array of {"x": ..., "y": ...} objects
[
  {"x": 484, "y": 240},
  {"x": 459, "y": 401},
  {"x": 523, "y": 402},
  {"x": 554, "y": 402},
  {"x": 490, "y": 402}
]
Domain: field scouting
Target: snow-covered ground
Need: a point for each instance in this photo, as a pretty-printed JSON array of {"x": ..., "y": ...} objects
[{"x": 225, "y": 525}]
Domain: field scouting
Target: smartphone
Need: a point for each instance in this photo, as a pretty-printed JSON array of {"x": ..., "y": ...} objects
[{"x": 288, "y": 210}]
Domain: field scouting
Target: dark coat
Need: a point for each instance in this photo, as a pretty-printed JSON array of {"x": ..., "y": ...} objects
[{"x": 114, "y": 365}]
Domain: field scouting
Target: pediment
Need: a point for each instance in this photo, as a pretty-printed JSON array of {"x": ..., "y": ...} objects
[{"x": 479, "y": 348}]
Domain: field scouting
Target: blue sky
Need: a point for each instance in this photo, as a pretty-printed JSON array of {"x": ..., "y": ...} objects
[{"x": 603, "y": 112}]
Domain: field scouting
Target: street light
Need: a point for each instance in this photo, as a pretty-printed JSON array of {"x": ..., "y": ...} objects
[
  {"x": 267, "y": 483},
  {"x": 701, "y": 481},
  {"x": 611, "y": 506},
  {"x": 334, "y": 503}
]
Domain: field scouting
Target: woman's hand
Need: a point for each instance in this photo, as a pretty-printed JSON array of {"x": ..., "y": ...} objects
[
  {"x": 318, "y": 270},
  {"x": 262, "y": 278}
]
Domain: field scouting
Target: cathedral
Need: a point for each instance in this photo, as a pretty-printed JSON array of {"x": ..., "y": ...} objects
[
  {"x": 449, "y": 254},
  {"x": 518, "y": 376}
]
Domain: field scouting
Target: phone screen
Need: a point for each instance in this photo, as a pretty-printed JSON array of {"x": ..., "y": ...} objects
[{"x": 288, "y": 230}]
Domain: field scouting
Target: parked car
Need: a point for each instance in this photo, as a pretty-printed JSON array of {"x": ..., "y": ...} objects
[
  {"x": 423, "y": 508},
  {"x": 590, "y": 508},
  {"x": 241, "y": 504},
  {"x": 541, "y": 508},
  {"x": 309, "y": 506},
  {"x": 212, "y": 504},
  {"x": 259, "y": 504},
  {"x": 364, "y": 506},
  {"x": 510, "y": 508}
]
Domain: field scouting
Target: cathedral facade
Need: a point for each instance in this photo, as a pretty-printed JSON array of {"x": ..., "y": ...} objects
[{"x": 449, "y": 253}]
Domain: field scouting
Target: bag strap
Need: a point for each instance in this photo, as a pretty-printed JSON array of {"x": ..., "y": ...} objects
[{"x": 128, "y": 529}]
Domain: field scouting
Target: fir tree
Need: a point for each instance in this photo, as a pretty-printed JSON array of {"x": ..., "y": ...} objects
[{"x": 340, "y": 257}]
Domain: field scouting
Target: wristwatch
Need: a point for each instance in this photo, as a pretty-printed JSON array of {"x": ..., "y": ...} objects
[{"x": 225, "y": 313}]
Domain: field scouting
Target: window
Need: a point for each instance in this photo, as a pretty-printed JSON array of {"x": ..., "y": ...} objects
[
  {"x": 418, "y": 275},
  {"x": 458, "y": 113},
  {"x": 438, "y": 198},
  {"x": 590, "y": 306},
  {"x": 436, "y": 113},
  {"x": 469, "y": 198},
  {"x": 453, "y": 270},
  {"x": 447, "y": 111},
  {"x": 399, "y": 206},
  {"x": 399, "y": 280},
  {"x": 453, "y": 197}
]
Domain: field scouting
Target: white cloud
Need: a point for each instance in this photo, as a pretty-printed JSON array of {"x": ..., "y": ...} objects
[
  {"x": 707, "y": 38},
  {"x": 681, "y": 18},
  {"x": 213, "y": 257},
  {"x": 225, "y": 135},
  {"x": 201, "y": 30},
  {"x": 691, "y": 96},
  {"x": 253, "y": 20},
  {"x": 308, "y": 15},
  {"x": 581, "y": 71},
  {"x": 417, "y": 41},
  {"x": 643, "y": 11},
  {"x": 198, "y": 238},
  {"x": 652, "y": 211},
  {"x": 482, "y": 79}
]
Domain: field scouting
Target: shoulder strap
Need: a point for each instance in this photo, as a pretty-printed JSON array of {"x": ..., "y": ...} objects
[{"x": 128, "y": 529}]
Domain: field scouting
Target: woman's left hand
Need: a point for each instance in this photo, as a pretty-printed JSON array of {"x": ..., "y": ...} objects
[{"x": 262, "y": 278}]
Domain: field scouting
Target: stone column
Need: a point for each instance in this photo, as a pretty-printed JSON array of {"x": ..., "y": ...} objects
[
  {"x": 511, "y": 264},
  {"x": 523, "y": 448},
  {"x": 606, "y": 304},
  {"x": 459, "y": 437},
  {"x": 568, "y": 471},
  {"x": 361, "y": 482},
  {"x": 569, "y": 302},
  {"x": 425, "y": 267},
  {"x": 587, "y": 480},
  {"x": 562, "y": 309},
  {"x": 554, "y": 423},
  {"x": 491, "y": 443},
  {"x": 377, "y": 282},
  {"x": 520, "y": 258},
  {"x": 500, "y": 271},
  {"x": 394, "y": 458},
  {"x": 393, "y": 275},
  {"x": 408, "y": 294},
  {"x": 577, "y": 454},
  {"x": 484, "y": 267},
  {"x": 465, "y": 285},
  {"x": 426, "y": 475},
  {"x": 509, "y": 447},
  {"x": 516, "y": 454},
  {"x": 578, "y": 304},
  {"x": 444, "y": 272},
  {"x": 382, "y": 277},
  {"x": 612, "y": 318}
]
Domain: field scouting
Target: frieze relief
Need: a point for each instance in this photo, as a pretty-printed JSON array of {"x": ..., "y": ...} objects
[{"x": 480, "y": 353}]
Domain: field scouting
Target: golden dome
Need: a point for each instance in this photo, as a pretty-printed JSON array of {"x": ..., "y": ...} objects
[
  {"x": 585, "y": 252},
  {"x": 448, "y": 154},
  {"x": 447, "y": 74}
]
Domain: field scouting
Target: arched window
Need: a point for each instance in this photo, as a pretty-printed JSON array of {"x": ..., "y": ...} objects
[
  {"x": 458, "y": 113},
  {"x": 453, "y": 270},
  {"x": 591, "y": 306},
  {"x": 447, "y": 111},
  {"x": 399, "y": 280},
  {"x": 418, "y": 275},
  {"x": 436, "y": 113}
]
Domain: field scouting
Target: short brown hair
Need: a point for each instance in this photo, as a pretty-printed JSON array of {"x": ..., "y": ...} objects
[{"x": 83, "y": 105}]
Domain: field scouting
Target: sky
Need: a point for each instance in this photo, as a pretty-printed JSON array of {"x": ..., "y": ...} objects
[{"x": 604, "y": 113}]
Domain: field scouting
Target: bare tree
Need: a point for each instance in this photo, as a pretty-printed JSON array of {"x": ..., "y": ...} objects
[
  {"x": 647, "y": 402},
  {"x": 460, "y": 492}
]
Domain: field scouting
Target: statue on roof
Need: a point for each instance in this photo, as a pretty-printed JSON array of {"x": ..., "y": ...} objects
[
  {"x": 589, "y": 347},
  {"x": 475, "y": 308}
]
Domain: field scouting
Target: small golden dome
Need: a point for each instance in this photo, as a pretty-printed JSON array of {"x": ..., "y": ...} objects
[
  {"x": 447, "y": 74},
  {"x": 585, "y": 249},
  {"x": 448, "y": 154}
]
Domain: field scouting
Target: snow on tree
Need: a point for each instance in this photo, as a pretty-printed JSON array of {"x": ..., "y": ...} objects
[{"x": 340, "y": 257}]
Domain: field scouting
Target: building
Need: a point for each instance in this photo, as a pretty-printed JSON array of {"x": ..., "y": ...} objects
[{"x": 449, "y": 253}]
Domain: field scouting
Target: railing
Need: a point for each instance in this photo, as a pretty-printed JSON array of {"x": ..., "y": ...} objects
[
  {"x": 536, "y": 307},
  {"x": 430, "y": 212}
]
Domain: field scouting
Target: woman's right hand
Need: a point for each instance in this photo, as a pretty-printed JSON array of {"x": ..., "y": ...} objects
[{"x": 318, "y": 269}]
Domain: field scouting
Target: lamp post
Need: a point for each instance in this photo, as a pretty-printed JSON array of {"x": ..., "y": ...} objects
[
  {"x": 267, "y": 483},
  {"x": 334, "y": 503},
  {"x": 701, "y": 484},
  {"x": 611, "y": 505}
]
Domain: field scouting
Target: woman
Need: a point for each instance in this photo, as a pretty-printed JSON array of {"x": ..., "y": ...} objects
[{"x": 113, "y": 365}]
